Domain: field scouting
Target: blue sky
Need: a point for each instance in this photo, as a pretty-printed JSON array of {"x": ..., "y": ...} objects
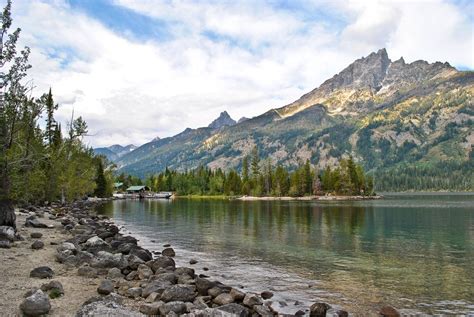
[{"x": 177, "y": 64}]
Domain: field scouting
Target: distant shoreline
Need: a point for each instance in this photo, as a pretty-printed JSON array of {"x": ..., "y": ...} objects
[
  {"x": 285, "y": 198},
  {"x": 321, "y": 198}
]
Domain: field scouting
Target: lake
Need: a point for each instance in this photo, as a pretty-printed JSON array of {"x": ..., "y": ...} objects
[{"x": 412, "y": 251}]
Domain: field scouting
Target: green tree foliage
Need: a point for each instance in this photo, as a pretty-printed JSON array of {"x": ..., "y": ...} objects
[
  {"x": 36, "y": 165},
  {"x": 348, "y": 178},
  {"x": 100, "y": 180}
]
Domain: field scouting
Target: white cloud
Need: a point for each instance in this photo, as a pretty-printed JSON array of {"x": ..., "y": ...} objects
[{"x": 262, "y": 57}]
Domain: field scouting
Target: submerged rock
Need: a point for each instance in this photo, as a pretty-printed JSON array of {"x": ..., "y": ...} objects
[{"x": 266, "y": 295}]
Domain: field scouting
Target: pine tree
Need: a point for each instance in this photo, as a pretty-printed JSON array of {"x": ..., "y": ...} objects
[
  {"x": 51, "y": 125},
  {"x": 255, "y": 163},
  {"x": 100, "y": 181}
]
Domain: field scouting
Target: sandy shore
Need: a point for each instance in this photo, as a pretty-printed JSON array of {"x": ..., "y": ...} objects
[{"x": 18, "y": 261}]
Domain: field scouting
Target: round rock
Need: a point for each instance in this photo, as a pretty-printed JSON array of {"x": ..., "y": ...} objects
[
  {"x": 168, "y": 252},
  {"x": 36, "y": 235},
  {"x": 105, "y": 288},
  {"x": 35, "y": 305},
  {"x": 42, "y": 272},
  {"x": 266, "y": 295},
  {"x": 38, "y": 244}
]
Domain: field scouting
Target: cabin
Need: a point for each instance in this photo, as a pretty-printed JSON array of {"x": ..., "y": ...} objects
[
  {"x": 138, "y": 189},
  {"x": 118, "y": 186}
]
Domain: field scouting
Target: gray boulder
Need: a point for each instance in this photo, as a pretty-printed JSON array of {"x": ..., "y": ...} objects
[
  {"x": 107, "y": 306},
  {"x": 176, "y": 307},
  {"x": 266, "y": 295},
  {"x": 108, "y": 260},
  {"x": 105, "y": 288},
  {"x": 153, "y": 297},
  {"x": 318, "y": 310},
  {"x": 234, "y": 309},
  {"x": 143, "y": 254},
  {"x": 35, "y": 223},
  {"x": 155, "y": 287},
  {"x": 162, "y": 262},
  {"x": 5, "y": 244},
  {"x": 168, "y": 276},
  {"x": 37, "y": 244},
  {"x": 262, "y": 310},
  {"x": 144, "y": 272},
  {"x": 7, "y": 233},
  {"x": 151, "y": 308},
  {"x": 183, "y": 293},
  {"x": 185, "y": 270},
  {"x": 223, "y": 299},
  {"x": 36, "y": 304},
  {"x": 36, "y": 235},
  {"x": 168, "y": 252},
  {"x": 134, "y": 261},
  {"x": 53, "y": 286},
  {"x": 203, "y": 285},
  {"x": 42, "y": 272},
  {"x": 251, "y": 300},
  {"x": 114, "y": 273},
  {"x": 87, "y": 271},
  {"x": 134, "y": 292},
  {"x": 237, "y": 295}
]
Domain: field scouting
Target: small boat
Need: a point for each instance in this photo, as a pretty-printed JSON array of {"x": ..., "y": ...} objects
[
  {"x": 160, "y": 195},
  {"x": 165, "y": 195}
]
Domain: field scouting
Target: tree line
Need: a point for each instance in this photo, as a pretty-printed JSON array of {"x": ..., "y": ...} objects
[
  {"x": 261, "y": 178},
  {"x": 37, "y": 162}
]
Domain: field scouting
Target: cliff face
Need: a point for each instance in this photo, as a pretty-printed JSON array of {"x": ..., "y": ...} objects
[{"x": 383, "y": 113}]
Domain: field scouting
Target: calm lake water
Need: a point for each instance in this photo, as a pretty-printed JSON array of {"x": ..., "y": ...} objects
[{"x": 413, "y": 251}]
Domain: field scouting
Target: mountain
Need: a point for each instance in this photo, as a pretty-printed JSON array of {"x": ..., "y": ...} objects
[
  {"x": 115, "y": 151},
  {"x": 408, "y": 123},
  {"x": 224, "y": 120}
]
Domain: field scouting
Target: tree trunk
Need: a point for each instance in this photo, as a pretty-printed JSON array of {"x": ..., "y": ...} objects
[{"x": 7, "y": 213}]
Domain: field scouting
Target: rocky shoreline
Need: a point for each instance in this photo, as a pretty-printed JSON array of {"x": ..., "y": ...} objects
[{"x": 103, "y": 272}]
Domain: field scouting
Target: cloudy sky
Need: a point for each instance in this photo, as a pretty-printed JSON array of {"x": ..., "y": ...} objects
[{"x": 137, "y": 69}]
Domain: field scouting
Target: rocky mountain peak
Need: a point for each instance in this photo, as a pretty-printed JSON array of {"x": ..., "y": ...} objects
[
  {"x": 223, "y": 120},
  {"x": 365, "y": 72},
  {"x": 242, "y": 119}
]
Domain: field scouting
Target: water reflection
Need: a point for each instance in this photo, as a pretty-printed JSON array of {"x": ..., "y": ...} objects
[{"x": 414, "y": 251}]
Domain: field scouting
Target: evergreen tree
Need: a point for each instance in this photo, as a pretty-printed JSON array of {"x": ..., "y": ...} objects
[
  {"x": 100, "y": 180},
  {"x": 51, "y": 125},
  {"x": 255, "y": 163}
]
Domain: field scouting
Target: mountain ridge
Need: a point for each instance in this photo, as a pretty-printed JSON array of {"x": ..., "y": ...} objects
[{"x": 381, "y": 112}]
